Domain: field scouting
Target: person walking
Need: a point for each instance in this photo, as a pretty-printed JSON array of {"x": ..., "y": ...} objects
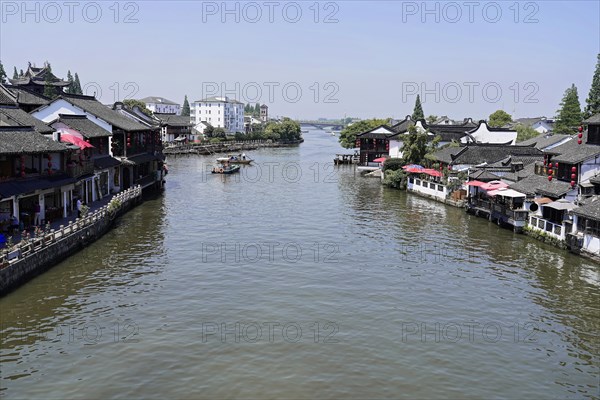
[
  {"x": 79, "y": 208},
  {"x": 36, "y": 217}
]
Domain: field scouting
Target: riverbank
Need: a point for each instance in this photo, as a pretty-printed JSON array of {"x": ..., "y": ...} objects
[
  {"x": 225, "y": 147},
  {"x": 33, "y": 255}
]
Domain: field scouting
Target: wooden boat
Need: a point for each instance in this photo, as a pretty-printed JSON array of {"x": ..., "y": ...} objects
[
  {"x": 234, "y": 160},
  {"x": 227, "y": 169}
]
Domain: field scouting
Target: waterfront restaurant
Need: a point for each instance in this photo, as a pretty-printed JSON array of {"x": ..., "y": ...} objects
[
  {"x": 373, "y": 144},
  {"x": 32, "y": 174}
]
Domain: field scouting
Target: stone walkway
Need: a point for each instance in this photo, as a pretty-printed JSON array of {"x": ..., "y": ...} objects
[{"x": 16, "y": 238}]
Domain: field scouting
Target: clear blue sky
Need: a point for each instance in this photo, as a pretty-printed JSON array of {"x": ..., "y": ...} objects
[{"x": 371, "y": 57}]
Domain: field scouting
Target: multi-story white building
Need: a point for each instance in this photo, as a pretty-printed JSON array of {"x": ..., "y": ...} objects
[
  {"x": 161, "y": 105},
  {"x": 220, "y": 112}
]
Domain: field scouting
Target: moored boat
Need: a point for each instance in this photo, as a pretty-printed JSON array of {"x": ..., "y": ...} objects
[
  {"x": 226, "y": 169},
  {"x": 240, "y": 159}
]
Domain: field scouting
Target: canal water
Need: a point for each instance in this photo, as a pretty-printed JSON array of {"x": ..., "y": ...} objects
[{"x": 295, "y": 279}]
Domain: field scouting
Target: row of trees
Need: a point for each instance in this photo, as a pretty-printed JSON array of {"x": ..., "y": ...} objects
[
  {"x": 249, "y": 109},
  {"x": 286, "y": 130}
]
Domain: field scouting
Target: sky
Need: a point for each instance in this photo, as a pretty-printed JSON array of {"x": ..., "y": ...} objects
[{"x": 309, "y": 60}]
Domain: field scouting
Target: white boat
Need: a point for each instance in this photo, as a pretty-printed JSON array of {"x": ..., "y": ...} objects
[{"x": 235, "y": 160}]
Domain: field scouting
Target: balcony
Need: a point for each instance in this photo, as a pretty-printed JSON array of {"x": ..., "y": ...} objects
[
  {"x": 77, "y": 170},
  {"x": 558, "y": 231}
]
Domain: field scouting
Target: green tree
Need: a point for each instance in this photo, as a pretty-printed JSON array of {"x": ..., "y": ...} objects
[
  {"x": 256, "y": 111},
  {"x": 348, "y": 134},
  {"x": 21, "y": 73},
  {"x": 219, "y": 133},
  {"x": 396, "y": 179},
  {"x": 525, "y": 132},
  {"x": 71, "y": 82},
  {"x": 432, "y": 118},
  {"x": 415, "y": 146},
  {"x": 418, "y": 111},
  {"x": 77, "y": 85},
  {"x": 3, "y": 76},
  {"x": 208, "y": 131},
  {"x": 130, "y": 103},
  {"x": 49, "y": 90},
  {"x": 499, "y": 118},
  {"x": 15, "y": 74},
  {"x": 569, "y": 116},
  {"x": 185, "y": 109},
  {"x": 287, "y": 130},
  {"x": 593, "y": 100}
]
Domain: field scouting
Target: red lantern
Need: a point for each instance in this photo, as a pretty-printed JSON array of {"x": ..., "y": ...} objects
[
  {"x": 556, "y": 165},
  {"x": 580, "y": 135},
  {"x": 449, "y": 168},
  {"x": 579, "y": 141},
  {"x": 580, "y": 129},
  {"x": 573, "y": 169},
  {"x": 22, "y": 174},
  {"x": 573, "y": 176},
  {"x": 549, "y": 177},
  {"x": 572, "y": 183}
]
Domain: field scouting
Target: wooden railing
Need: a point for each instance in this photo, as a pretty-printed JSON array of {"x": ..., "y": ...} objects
[{"x": 28, "y": 246}]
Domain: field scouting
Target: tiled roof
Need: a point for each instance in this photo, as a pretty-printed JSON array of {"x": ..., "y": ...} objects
[
  {"x": 83, "y": 125},
  {"x": 6, "y": 96},
  {"x": 19, "y": 140},
  {"x": 157, "y": 100},
  {"x": 594, "y": 119},
  {"x": 528, "y": 169},
  {"x": 483, "y": 175},
  {"x": 573, "y": 153},
  {"x": 590, "y": 210},
  {"x": 93, "y": 106},
  {"x": 445, "y": 154},
  {"x": 475, "y": 154},
  {"x": 595, "y": 180},
  {"x": 216, "y": 99},
  {"x": 173, "y": 120},
  {"x": 14, "y": 116},
  {"x": 106, "y": 162},
  {"x": 540, "y": 184},
  {"x": 11, "y": 188},
  {"x": 544, "y": 140},
  {"x": 27, "y": 97}
]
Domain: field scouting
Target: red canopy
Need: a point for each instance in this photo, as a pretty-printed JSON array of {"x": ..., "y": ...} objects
[
  {"x": 493, "y": 185},
  {"x": 475, "y": 183},
  {"x": 431, "y": 172},
  {"x": 380, "y": 159},
  {"x": 82, "y": 144}
]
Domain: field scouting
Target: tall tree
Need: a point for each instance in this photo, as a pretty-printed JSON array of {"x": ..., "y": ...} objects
[
  {"x": 21, "y": 73},
  {"x": 418, "y": 111},
  {"x": 593, "y": 100},
  {"x": 525, "y": 132},
  {"x": 77, "y": 85},
  {"x": 256, "y": 111},
  {"x": 2, "y": 73},
  {"x": 49, "y": 90},
  {"x": 185, "y": 109},
  {"x": 414, "y": 146},
  {"x": 71, "y": 82},
  {"x": 15, "y": 74},
  {"x": 569, "y": 116},
  {"x": 499, "y": 118}
]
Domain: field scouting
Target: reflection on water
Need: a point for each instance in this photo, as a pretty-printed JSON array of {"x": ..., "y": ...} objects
[{"x": 357, "y": 291}]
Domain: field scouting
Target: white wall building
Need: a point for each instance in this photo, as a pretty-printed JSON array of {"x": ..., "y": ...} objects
[
  {"x": 220, "y": 112},
  {"x": 161, "y": 105}
]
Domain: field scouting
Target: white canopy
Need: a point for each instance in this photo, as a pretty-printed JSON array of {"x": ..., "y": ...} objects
[{"x": 506, "y": 193}]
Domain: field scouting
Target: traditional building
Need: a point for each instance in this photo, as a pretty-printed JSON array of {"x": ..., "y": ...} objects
[
  {"x": 585, "y": 236},
  {"x": 32, "y": 172},
  {"x": 483, "y": 133},
  {"x": 175, "y": 128},
  {"x": 219, "y": 112},
  {"x": 136, "y": 145},
  {"x": 161, "y": 105},
  {"x": 35, "y": 80}
]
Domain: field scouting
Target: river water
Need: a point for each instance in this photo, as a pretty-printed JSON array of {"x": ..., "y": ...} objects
[{"x": 295, "y": 279}]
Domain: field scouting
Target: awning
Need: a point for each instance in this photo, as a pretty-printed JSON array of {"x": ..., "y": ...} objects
[
  {"x": 380, "y": 159},
  {"x": 106, "y": 162},
  {"x": 475, "y": 183},
  {"x": 431, "y": 172},
  {"x": 82, "y": 144},
  {"x": 180, "y": 139},
  {"x": 561, "y": 205},
  {"x": 494, "y": 185},
  {"x": 506, "y": 193},
  {"x": 543, "y": 200},
  {"x": 11, "y": 188}
]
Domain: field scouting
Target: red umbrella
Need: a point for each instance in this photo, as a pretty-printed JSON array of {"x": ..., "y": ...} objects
[
  {"x": 380, "y": 159},
  {"x": 82, "y": 144}
]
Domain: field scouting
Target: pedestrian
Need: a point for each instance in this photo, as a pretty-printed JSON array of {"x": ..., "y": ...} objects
[
  {"x": 79, "y": 208},
  {"x": 37, "y": 210}
]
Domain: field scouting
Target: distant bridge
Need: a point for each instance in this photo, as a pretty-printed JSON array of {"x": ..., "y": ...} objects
[{"x": 336, "y": 126}]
